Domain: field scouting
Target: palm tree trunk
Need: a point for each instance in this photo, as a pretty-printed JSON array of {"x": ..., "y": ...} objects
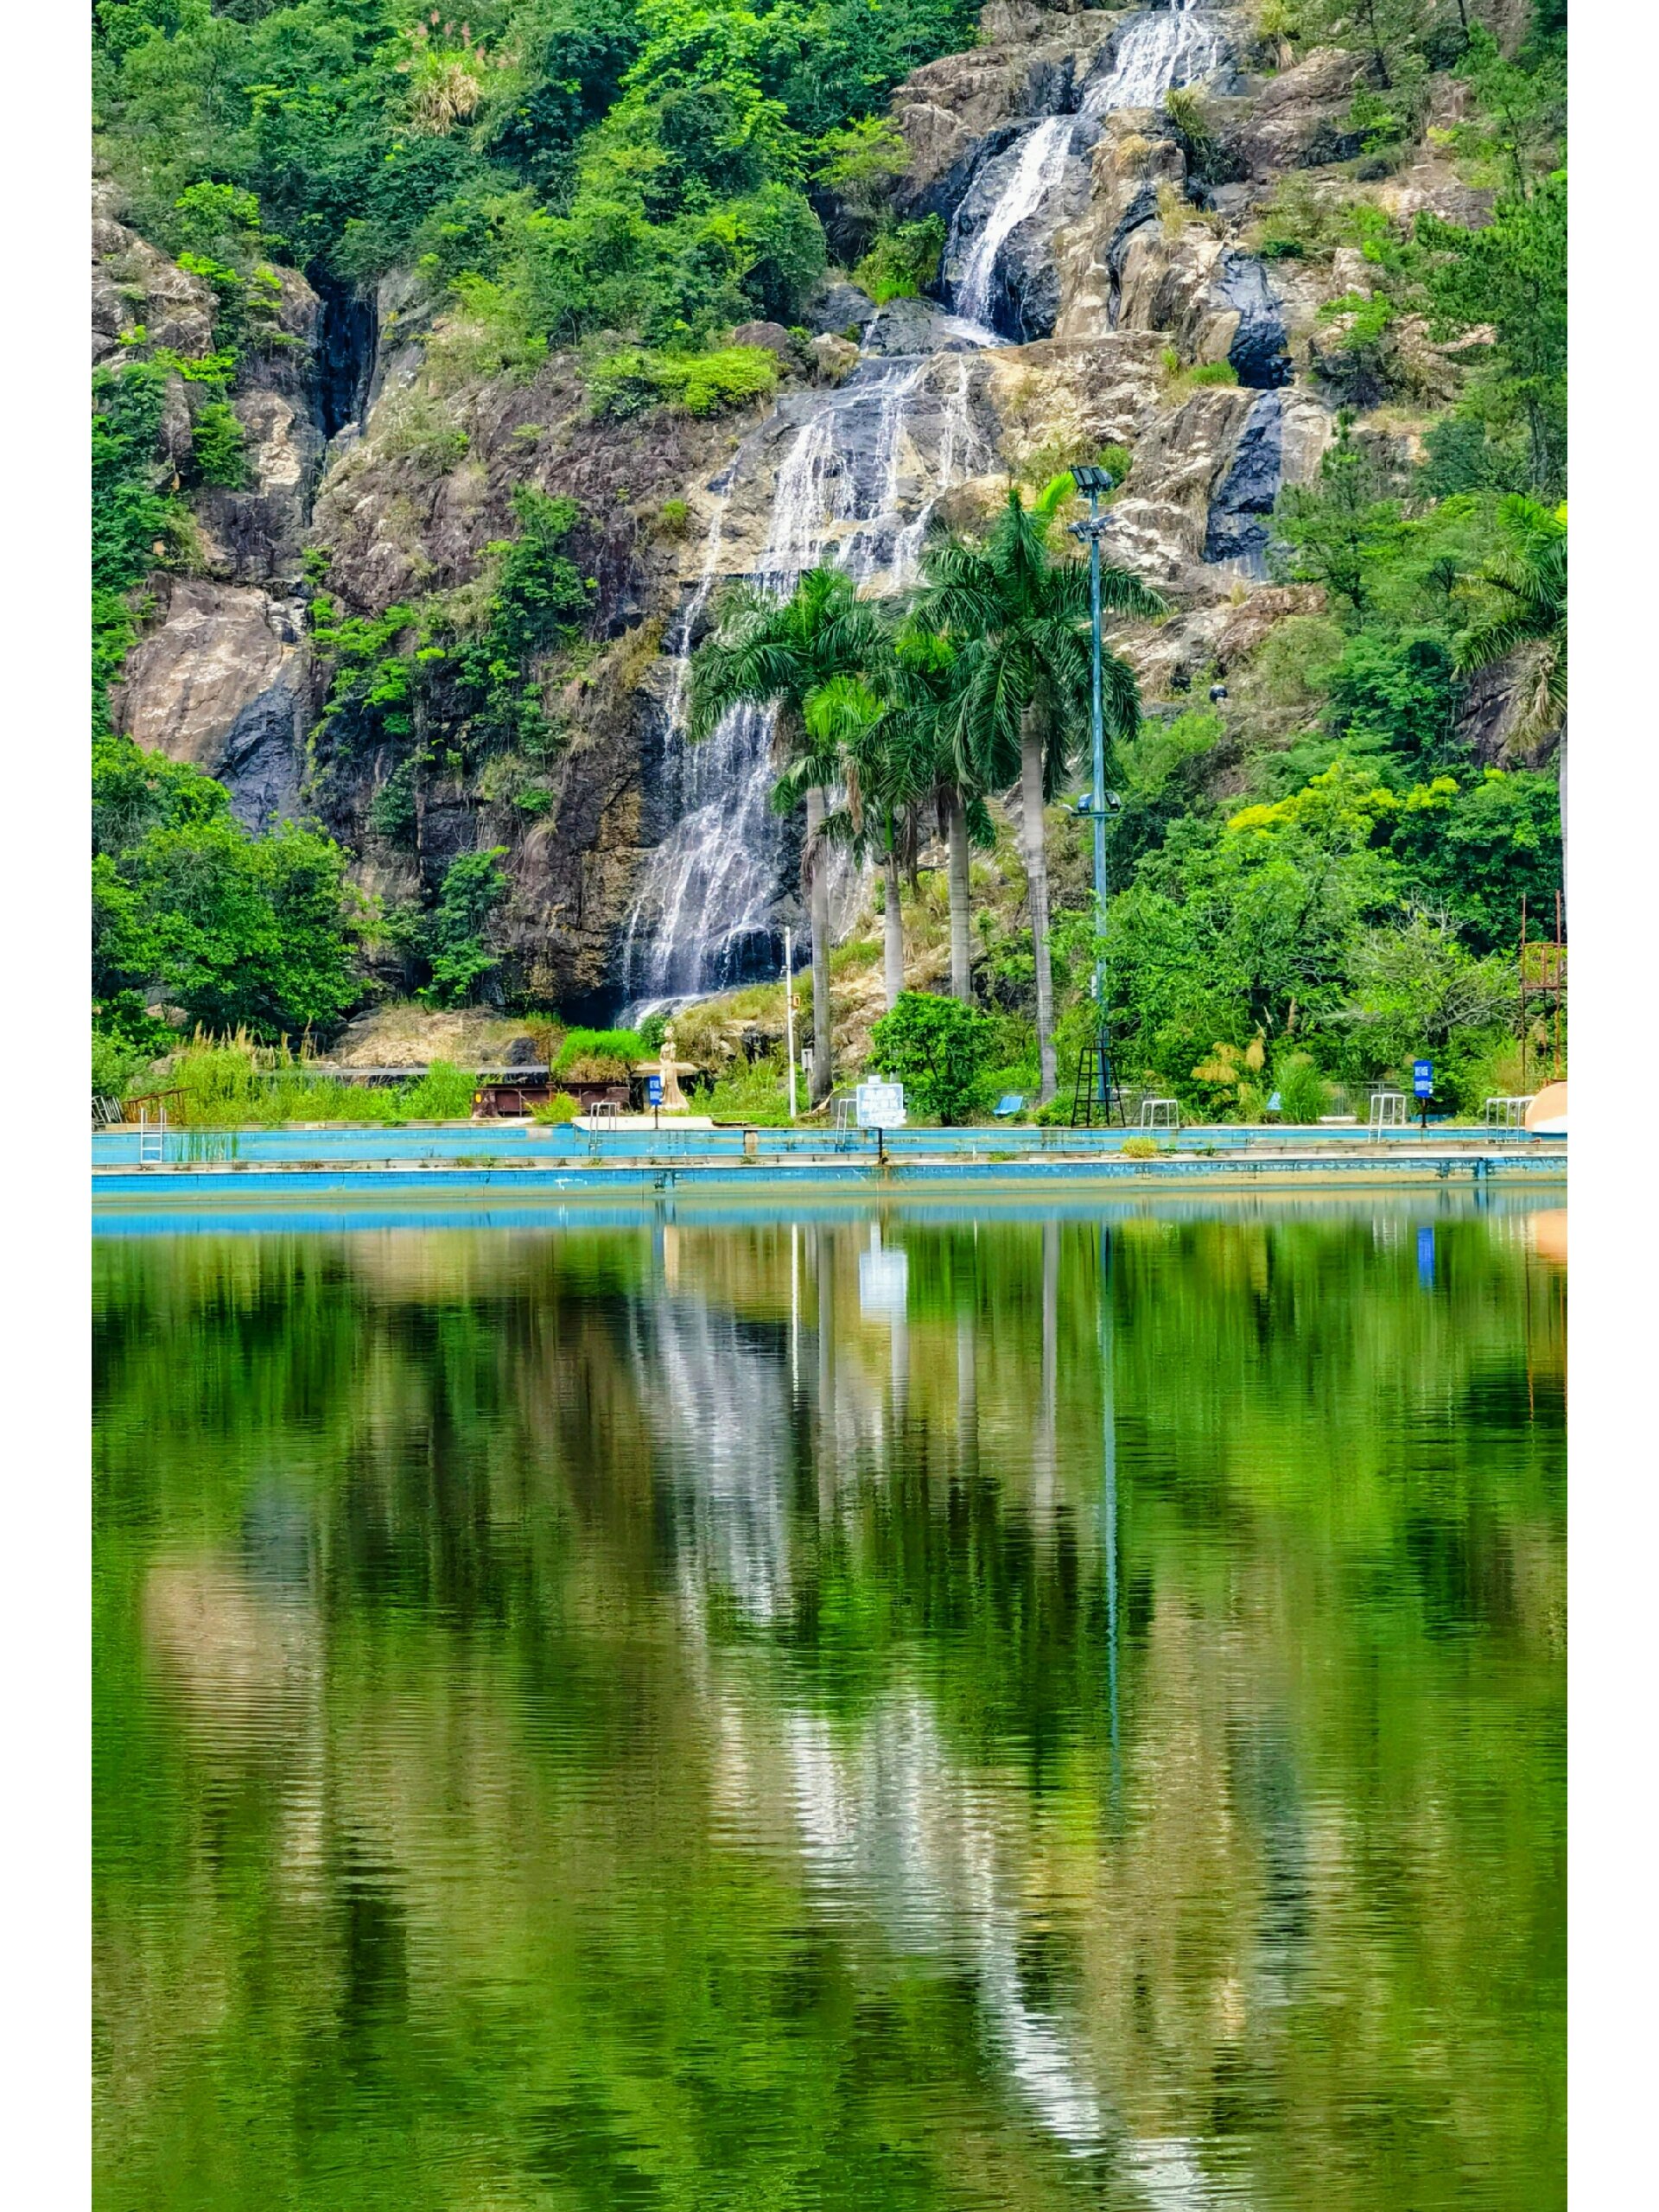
[
  {"x": 818, "y": 912},
  {"x": 893, "y": 925},
  {"x": 1561, "y": 774},
  {"x": 1031, "y": 810},
  {"x": 962, "y": 973}
]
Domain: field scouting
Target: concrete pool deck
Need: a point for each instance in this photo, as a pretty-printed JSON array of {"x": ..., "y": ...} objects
[{"x": 336, "y": 1166}]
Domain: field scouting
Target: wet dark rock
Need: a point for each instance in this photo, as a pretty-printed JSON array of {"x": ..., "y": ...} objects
[
  {"x": 1025, "y": 291},
  {"x": 1239, "y": 512},
  {"x": 908, "y": 326},
  {"x": 837, "y": 308},
  {"x": 947, "y": 191},
  {"x": 1259, "y": 351},
  {"x": 1141, "y": 211},
  {"x": 344, "y": 356},
  {"x": 264, "y": 755}
]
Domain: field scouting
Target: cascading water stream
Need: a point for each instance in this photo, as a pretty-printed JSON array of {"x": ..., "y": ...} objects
[
  {"x": 1157, "y": 53},
  {"x": 1042, "y": 159},
  {"x": 703, "y": 919}
]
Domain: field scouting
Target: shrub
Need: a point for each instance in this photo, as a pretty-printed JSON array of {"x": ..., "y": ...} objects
[
  {"x": 755, "y": 1093},
  {"x": 1140, "y": 1148},
  {"x": 1303, "y": 1091},
  {"x": 116, "y": 1062},
  {"x": 599, "y": 1055},
  {"x": 939, "y": 1050},
  {"x": 1212, "y": 372},
  {"x": 219, "y": 447},
  {"x": 392, "y": 812},
  {"x": 636, "y": 378},
  {"x": 903, "y": 261},
  {"x": 444, "y": 1094},
  {"x": 560, "y": 1108},
  {"x": 453, "y": 934}
]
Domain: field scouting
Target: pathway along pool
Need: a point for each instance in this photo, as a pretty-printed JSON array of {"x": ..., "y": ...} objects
[{"x": 803, "y": 1714}]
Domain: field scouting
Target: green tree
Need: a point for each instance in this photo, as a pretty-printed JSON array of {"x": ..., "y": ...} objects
[
  {"x": 939, "y": 1048},
  {"x": 1339, "y": 530},
  {"x": 454, "y": 935},
  {"x": 1518, "y": 598},
  {"x": 1511, "y": 275},
  {"x": 236, "y": 931},
  {"x": 768, "y": 655},
  {"x": 1416, "y": 989},
  {"x": 1018, "y": 619},
  {"x": 1475, "y": 852}
]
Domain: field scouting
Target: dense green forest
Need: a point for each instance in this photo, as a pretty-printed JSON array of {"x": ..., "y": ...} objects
[{"x": 1317, "y": 875}]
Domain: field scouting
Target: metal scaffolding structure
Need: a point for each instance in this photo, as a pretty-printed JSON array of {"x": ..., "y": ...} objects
[{"x": 1543, "y": 978}]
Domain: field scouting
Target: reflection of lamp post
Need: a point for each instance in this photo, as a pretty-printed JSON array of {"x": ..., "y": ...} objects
[
  {"x": 1108, "y": 1456},
  {"x": 1093, "y": 482},
  {"x": 788, "y": 1011}
]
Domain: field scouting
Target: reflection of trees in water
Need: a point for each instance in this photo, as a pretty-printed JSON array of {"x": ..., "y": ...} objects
[{"x": 483, "y": 1518}]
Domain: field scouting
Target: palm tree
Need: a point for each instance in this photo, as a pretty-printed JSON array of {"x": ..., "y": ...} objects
[
  {"x": 769, "y": 653},
  {"x": 1018, "y": 618},
  {"x": 1520, "y": 600},
  {"x": 1520, "y": 607},
  {"x": 878, "y": 751},
  {"x": 925, "y": 675}
]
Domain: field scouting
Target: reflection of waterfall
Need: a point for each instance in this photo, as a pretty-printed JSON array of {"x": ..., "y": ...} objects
[
  {"x": 893, "y": 1823},
  {"x": 896, "y": 1830},
  {"x": 1157, "y": 53},
  {"x": 1042, "y": 158},
  {"x": 718, "y": 1406}
]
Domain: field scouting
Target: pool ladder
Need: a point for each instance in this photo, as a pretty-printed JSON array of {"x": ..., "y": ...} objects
[{"x": 152, "y": 1138}]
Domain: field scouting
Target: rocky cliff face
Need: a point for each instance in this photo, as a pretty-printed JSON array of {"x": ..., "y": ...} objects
[{"x": 384, "y": 436}]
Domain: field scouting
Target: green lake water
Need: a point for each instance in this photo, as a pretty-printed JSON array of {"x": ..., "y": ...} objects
[{"x": 834, "y": 1712}]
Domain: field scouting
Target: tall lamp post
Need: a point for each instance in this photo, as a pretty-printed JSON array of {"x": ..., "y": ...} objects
[{"x": 1093, "y": 482}]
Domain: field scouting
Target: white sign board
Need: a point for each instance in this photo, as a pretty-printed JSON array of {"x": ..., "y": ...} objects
[{"x": 881, "y": 1105}]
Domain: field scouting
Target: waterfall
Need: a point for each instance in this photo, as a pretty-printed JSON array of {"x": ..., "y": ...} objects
[
  {"x": 703, "y": 918},
  {"x": 962, "y": 453},
  {"x": 1157, "y": 52},
  {"x": 1042, "y": 157}
]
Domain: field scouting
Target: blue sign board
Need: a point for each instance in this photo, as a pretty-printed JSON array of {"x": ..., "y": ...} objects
[
  {"x": 1422, "y": 1078},
  {"x": 654, "y": 1089}
]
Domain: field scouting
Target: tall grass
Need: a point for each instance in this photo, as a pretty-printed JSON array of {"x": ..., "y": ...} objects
[
  {"x": 233, "y": 1083},
  {"x": 599, "y": 1055}
]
